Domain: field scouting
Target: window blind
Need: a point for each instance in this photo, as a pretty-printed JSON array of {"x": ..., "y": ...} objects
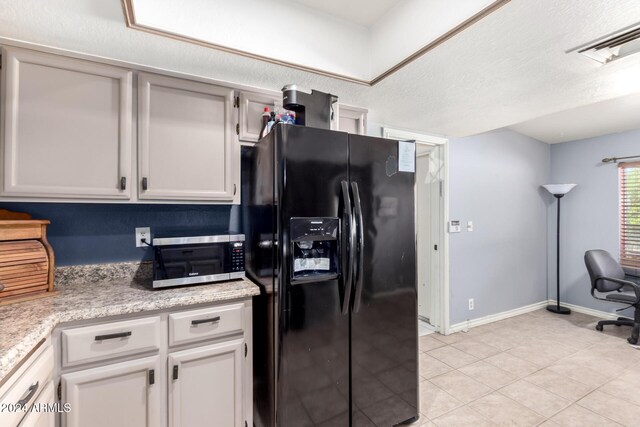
[{"x": 630, "y": 214}]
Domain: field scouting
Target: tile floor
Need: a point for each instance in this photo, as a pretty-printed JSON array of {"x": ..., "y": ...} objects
[{"x": 534, "y": 369}]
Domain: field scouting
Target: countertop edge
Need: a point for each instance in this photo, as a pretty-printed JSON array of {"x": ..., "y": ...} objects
[{"x": 18, "y": 354}]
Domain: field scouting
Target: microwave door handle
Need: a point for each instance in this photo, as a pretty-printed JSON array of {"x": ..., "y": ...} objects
[
  {"x": 359, "y": 272},
  {"x": 346, "y": 252}
]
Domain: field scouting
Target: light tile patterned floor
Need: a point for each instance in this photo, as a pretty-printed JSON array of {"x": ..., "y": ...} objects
[{"x": 535, "y": 369}]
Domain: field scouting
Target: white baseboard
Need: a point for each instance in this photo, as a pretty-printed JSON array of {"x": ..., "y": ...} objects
[
  {"x": 467, "y": 324},
  {"x": 590, "y": 311}
]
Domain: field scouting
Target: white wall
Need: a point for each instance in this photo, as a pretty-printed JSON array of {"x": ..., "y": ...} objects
[{"x": 495, "y": 180}]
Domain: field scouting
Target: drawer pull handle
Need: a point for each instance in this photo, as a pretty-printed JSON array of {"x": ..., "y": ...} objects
[
  {"x": 211, "y": 320},
  {"x": 112, "y": 336},
  {"x": 29, "y": 394}
]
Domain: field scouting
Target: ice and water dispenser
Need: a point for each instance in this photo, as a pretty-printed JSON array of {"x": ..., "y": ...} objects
[{"x": 314, "y": 249}]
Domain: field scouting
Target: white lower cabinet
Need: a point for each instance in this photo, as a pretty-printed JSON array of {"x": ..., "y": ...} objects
[
  {"x": 205, "y": 386},
  {"x": 196, "y": 373},
  {"x": 124, "y": 394},
  {"x": 23, "y": 395},
  {"x": 43, "y": 414}
]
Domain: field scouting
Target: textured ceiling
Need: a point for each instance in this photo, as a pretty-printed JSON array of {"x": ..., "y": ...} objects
[
  {"x": 511, "y": 67},
  {"x": 508, "y": 68}
]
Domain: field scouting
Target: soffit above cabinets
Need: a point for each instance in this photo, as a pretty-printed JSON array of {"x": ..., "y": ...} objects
[
  {"x": 360, "y": 12},
  {"x": 358, "y": 41},
  {"x": 588, "y": 121}
]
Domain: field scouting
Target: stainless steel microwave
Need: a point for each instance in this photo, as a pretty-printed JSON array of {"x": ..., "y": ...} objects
[{"x": 197, "y": 259}]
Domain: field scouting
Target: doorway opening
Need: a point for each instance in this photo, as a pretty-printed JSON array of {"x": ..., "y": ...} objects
[{"x": 431, "y": 201}]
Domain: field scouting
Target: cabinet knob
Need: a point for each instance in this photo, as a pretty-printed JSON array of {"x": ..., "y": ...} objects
[
  {"x": 123, "y": 183},
  {"x": 145, "y": 184}
]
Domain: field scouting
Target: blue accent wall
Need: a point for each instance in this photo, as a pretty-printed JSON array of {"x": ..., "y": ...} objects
[{"x": 92, "y": 233}]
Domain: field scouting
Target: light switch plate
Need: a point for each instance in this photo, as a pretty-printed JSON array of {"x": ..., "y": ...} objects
[{"x": 469, "y": 225}]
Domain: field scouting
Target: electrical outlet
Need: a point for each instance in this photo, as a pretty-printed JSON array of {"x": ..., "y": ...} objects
[
  {"x": 471, "y": 304},
  {"x": 143, "y": 233}
]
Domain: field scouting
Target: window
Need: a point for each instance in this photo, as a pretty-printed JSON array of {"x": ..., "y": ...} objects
[{"x": 630, "y": 215}]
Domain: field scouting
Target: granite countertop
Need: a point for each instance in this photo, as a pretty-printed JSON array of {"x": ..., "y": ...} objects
[{"x": 82, "y": 297}]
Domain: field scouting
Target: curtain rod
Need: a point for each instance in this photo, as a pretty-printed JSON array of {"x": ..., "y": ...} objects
[{"x": 615, "y": 159}]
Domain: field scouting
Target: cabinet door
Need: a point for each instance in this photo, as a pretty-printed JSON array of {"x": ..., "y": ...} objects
[
  {"x": 252, "y": 106},
  {"x": 352, "y": 119},
  {"x": 186, "y": 149},
  {"x": 41, "y": 415},
  {"x": 205, "y": 386},
  {"x": 66, "y": 127},
  {"x": 126, "y": 394}
]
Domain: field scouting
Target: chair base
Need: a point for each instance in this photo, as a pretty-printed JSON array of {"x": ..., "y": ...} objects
[
  {"x": 558, "y": 310},
  {"x": 622, "y": 321}
]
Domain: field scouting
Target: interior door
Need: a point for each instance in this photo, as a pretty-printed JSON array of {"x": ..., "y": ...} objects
[
  {"x": 384, "y": 315},
  {"x": 423, "y": 231},
  {"x": 429, "y": 230},
  {"x": 313, "y": 339}
]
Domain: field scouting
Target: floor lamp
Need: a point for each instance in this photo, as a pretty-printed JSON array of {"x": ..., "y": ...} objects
[{"x": 558, "y": 191}]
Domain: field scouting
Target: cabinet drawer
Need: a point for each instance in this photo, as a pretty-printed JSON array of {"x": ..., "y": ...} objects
[
  {"x": 27, "y": 388},
  {"x": 42, "y": 418},
  {"x": 108, "y": 340},
  {"x": 207, "y": 323}
]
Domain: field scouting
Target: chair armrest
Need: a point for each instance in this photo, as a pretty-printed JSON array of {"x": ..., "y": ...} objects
[{"x": 635, "y": 286}]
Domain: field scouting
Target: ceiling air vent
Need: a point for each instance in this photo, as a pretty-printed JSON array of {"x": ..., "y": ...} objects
[{"x": 614, "y": 46}]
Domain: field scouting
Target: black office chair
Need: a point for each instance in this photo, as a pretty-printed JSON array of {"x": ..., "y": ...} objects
[{"x": 608, "y": 277}]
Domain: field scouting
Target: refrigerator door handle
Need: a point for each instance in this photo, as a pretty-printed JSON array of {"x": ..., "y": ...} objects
[
  {"x": 346, "y": 260},
  {"x": 359, "y": 272}
]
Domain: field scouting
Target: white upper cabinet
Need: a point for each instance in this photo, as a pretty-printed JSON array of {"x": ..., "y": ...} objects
[
  {"x": 66, "y": 127},
  {"x": 186, "y": 150},
  {"x": 252, "y": 105},
  {"x": 352, "y": 119}
]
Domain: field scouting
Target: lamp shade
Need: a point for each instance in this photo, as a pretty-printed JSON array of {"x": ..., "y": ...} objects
[{"x": 559, "y": 188}]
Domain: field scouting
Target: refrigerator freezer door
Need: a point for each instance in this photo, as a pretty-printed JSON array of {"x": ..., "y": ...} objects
[
  {"x": 384, "y": 315},
  {"x": 313, "y": 339}
]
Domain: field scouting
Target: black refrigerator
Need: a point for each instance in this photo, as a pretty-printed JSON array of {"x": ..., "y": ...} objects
[{"x": 330, "y": 223}]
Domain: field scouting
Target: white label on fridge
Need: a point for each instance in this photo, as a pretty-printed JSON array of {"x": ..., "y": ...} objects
[
  {"x": 406, "y": 156},
  {"x": 301, "y": 264}
]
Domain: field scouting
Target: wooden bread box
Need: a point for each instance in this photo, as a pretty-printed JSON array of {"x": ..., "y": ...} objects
[{"x": 26, "y": 260}]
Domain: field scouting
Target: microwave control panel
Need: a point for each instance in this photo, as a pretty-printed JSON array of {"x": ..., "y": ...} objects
[{"x": 237, "y": 256}]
